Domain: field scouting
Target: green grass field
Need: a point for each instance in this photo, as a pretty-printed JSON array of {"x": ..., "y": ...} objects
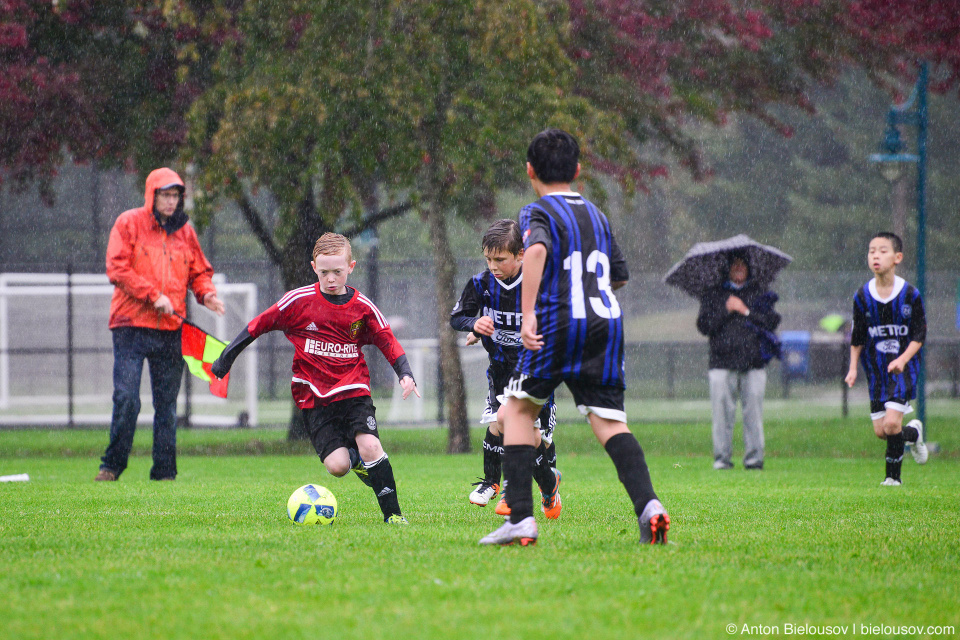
[{"x": 811, "y": 541}]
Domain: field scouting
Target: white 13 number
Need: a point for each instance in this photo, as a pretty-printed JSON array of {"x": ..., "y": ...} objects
[{"x": 574, "y": 264}]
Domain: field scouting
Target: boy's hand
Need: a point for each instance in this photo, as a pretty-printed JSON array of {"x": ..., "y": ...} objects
[
  {"x": 528, "y": 332},
  {"x": 212, "y": 302},
  {"x": 472, "y": 339},
  {"x": 896, "y": 366},
  {"x": 408, "y": 386},
  {"x": 851, "y": 377},
  {"x": 484, "y": 326}
]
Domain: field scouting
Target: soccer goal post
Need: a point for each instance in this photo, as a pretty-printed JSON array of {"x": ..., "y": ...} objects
[{"x": 56, "y": 354}]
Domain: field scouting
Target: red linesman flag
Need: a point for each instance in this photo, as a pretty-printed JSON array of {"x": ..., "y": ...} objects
[{"x": 200, "y": 350}]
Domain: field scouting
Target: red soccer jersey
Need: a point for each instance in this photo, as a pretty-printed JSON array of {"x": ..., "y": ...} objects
[{"x": 328, "y": 364}]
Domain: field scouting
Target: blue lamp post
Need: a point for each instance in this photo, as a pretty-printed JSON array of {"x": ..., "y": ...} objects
[{"x": 891, "y": 160}]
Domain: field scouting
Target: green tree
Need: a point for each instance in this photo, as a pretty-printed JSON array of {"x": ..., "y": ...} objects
[{"x": 331, "y": 105}]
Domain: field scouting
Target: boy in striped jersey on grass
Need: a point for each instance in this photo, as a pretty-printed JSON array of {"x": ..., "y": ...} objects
[
  {"x": 572, "y": 333},
  {"x": 494, "y": 295},
  {"x": 327, "y": 323},
  {"x": 889, "y": 327}
]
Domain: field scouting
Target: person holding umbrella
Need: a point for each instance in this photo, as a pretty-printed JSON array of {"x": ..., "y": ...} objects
[{"x": 731, "y": 279}]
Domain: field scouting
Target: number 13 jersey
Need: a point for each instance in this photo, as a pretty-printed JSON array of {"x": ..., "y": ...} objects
[{"x": 577, "y": 312}]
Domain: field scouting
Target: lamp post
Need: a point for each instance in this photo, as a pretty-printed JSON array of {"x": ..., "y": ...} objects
[{"x": 891, "y": 161}]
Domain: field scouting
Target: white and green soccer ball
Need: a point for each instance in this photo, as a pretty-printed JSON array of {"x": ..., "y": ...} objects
[{"x": 312, "y": 504}]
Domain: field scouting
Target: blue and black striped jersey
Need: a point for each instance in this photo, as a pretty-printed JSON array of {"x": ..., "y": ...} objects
[
  {"x": 884, "y": 327},
  {"x": 577, "y": 312},
  {"x": 485, "y": 295}
]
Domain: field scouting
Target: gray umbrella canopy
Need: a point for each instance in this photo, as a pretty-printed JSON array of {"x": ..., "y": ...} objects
[{"x": 707, "y": 264}]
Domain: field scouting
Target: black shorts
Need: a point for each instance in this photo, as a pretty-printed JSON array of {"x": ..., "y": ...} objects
[
  {"x": 337, "y": 424},
  {"x": 878, "y": 408},
  {"x": 603, "y": 400},
  {"x": 498, "y": 375}
]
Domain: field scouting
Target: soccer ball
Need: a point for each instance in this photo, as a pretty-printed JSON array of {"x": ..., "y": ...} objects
[{"x": 312, "y": 504}]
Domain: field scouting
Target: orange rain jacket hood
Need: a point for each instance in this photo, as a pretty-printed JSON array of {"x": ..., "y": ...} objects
[{"x": 146, "y": 259}]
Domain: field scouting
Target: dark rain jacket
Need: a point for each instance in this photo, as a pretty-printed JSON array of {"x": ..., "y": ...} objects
[{"x": 735, "y": 339}]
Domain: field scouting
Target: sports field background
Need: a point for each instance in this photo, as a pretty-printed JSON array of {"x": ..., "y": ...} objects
[{"x": 811, "y": 540}]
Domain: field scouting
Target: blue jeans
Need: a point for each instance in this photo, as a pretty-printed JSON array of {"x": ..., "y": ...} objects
[{"x": 161, "y": 349}]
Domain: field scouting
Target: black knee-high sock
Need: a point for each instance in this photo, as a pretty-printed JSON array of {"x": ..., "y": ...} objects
[
  {"x": 492, "y": 457},
  {"x": 543, "y": 472},
  {"x": 384, "y": 486},
  {"x": 354, "y": 457},
  {"x": 894, "y": 455},
  {"x": 910, "y": 434},
  {"x": 518, "y": 461},
  {"x": 552, "y": 454},
  {"x": 627, "y": 456}
]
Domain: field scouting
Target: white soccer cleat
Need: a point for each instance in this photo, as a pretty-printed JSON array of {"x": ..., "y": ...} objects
[
  {"x": 524, "y": 532},
  {"x": 484, "y": 493},
  {"x": 654, "y": 523},
  {"x": 918, "y": 449},
  {"x": 890, "y": 482}
]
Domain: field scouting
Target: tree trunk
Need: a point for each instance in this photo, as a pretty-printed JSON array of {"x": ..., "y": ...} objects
[
  {"x": 451, "y": 371},
  {"x": 296, "y": 272},
  {"x": 438, "y": 183}
]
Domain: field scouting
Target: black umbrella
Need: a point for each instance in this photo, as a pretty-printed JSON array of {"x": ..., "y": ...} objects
[{"x": 707, "y": 264}]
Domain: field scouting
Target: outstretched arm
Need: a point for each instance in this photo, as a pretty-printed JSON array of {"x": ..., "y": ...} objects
[
  {"x": 221, "y": 366},
  {"x": 405, "y": 374}
]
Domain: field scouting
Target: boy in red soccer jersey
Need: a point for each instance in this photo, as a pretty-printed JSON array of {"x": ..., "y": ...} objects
[{"x": 327, "y": 323}]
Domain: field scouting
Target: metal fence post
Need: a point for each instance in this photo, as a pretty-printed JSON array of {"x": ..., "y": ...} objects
[
  {"x": 844, "y": 390},
  {"x": 671, "y": 372},
  {"x": 187, "y": 390},
  {"x": 440, "y": 390},
  {"x": 70, "y": 402}
]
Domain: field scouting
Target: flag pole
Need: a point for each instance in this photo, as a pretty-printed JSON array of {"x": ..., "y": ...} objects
[{"x": 196, "y": 326}]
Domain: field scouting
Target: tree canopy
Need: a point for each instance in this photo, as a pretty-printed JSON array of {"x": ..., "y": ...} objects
[{"x": 345, "y": 113}]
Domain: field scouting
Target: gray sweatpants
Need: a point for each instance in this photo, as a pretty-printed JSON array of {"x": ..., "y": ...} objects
[{"x": 725, "y": 386}]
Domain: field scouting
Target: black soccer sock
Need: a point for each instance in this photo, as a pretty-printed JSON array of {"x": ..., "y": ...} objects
[
  {"x": 518, "y": 460},
  {"x": 627, "y": 456},
  {"x": 552, "y": 455},
  {"x": 354, "y": 457},
  {"x": 492, "y": 457},
  {"x": 894, "y": 455},
  {"x": 384, "y": 486},
  {"x": 542, "y": 471},
  {"x": 910, "y": 434}
]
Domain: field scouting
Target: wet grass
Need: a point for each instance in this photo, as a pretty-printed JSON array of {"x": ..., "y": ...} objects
[{"x": 811, "y": 540}]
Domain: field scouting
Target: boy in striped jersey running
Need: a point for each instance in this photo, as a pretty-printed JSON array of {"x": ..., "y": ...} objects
[
  {"x": 889, "y": 327},
  {"x": 327, "y": 323},
  {"x": 572, "y": 331},
  {"x": 494, "y": 294}
]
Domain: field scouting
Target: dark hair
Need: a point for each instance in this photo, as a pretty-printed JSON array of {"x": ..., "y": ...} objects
[
  {"x": 503, "y": 235},
  {"x": 554, "y": 154},
  {"x": 893, "y": 238}
]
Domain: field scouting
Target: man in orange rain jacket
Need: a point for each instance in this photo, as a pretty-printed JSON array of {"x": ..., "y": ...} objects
[{"x": 153, "y": 257}]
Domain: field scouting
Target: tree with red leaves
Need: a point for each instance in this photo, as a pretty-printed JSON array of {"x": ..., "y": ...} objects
[
  {"x": 42, "y": 103},
  {"x": 667, "y": 64},
  {"x": 109, "y": 81}
]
